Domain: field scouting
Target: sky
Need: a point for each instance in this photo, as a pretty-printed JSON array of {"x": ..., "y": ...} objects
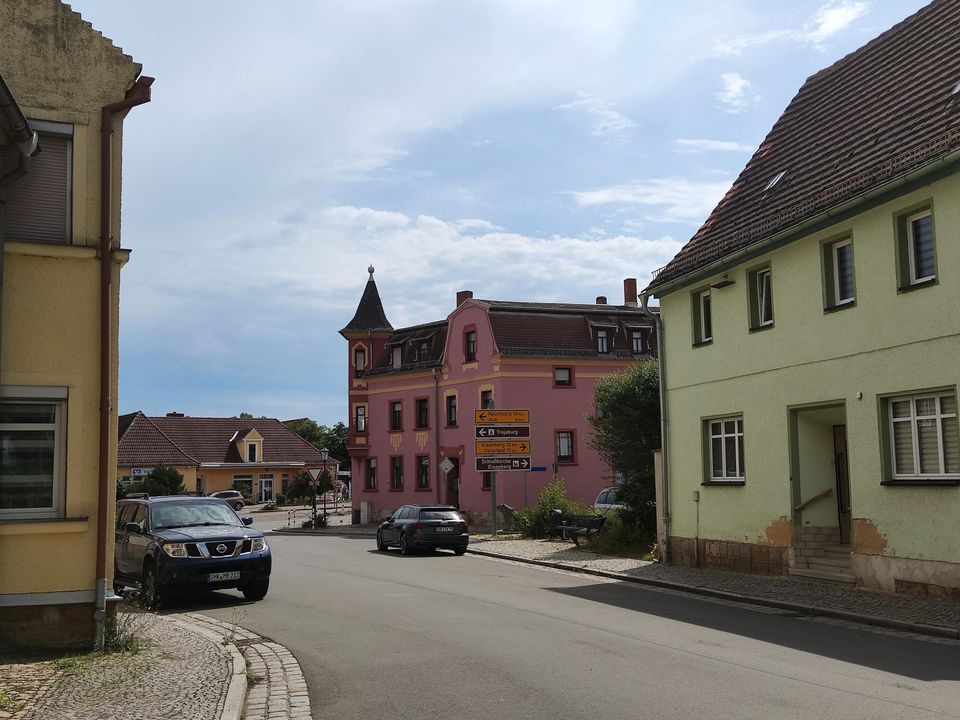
[{"x": 522, "y": 149}]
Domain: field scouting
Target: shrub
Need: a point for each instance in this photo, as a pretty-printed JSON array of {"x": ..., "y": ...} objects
[
  {"x": 321, "y": 522},
  {"x": 269, "y": 506},
  {"x": 620, "y": 535},
  {"x": 280, "y": 500},
  {"x": 537, "y": 521}
]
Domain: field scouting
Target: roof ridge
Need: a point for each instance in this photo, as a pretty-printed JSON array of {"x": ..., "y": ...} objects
[{"x": 170, "y": 440}]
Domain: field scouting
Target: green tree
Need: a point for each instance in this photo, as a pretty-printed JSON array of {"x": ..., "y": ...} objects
[
  {"x": 626, "y": 432},
  {"x": 162, "y": 480},
  {"x": 334, "y": 438}
]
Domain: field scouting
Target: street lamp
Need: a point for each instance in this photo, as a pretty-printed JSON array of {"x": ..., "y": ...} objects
[{"x": 324, "y": 454}]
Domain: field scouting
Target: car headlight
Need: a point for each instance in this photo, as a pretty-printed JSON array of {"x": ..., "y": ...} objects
[
  {"x": 259, "y": 545},
  {"x": 177, "y": 550}
]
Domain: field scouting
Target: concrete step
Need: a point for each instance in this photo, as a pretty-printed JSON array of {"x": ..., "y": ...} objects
[
  {"x": 834, "y": 576},
  {"x": 837, "y": 551},
  {"x": 831, "y": 560}
]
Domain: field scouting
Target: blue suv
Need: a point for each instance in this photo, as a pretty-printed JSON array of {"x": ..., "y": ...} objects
[{"x": 178, "y": 543}]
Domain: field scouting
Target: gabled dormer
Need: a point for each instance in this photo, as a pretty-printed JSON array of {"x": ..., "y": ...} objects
[{"x": 249, "y": 445}]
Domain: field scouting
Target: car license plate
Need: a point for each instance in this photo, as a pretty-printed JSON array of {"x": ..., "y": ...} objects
[
  {"x": 444, "y": 529},
  {"x": 220, "y": 576}
]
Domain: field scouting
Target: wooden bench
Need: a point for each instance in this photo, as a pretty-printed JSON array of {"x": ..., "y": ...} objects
[{"x": 575, "y": 527}]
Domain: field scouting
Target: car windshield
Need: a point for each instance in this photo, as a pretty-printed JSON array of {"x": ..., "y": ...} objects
[
  {"x": 173, "y": 515},
  {"x": 439, "y": 515}
]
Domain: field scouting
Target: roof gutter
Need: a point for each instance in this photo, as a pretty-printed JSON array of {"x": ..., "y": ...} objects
[
  {"x": 138, "y": 94},
  {"x": 664, "y": 508},
  {"x": 784, "y": 236}
]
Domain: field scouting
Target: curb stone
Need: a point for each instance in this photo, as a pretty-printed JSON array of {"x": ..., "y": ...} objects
[
  {"x": 812, "y": 610},
  {"x": 237, "y": 688}
]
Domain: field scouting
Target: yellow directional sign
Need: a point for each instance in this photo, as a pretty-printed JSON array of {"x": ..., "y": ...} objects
[
  {"x": 492, "y": 417},
  {"x": 503, "y": 447}
]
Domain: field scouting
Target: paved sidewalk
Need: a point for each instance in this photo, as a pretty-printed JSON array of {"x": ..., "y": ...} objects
[
  {"x": 189, "y": 667},
  {"x": 900, "y": 612}
]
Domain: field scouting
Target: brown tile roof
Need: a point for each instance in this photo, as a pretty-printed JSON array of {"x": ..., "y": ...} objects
[
  {"x": 878, "y": 114},
  {"x": 410, "y": 339},
  {"x": 207, "y": 440},
  {"x": 142, "y": 444}
]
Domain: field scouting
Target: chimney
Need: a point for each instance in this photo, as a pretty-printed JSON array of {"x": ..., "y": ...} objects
[
  {"x": 601, "y": 299},
  {"x": 630, "y": 292},
  {"x": 175, "y": 414},
  {"x": 463, "y": 296}
]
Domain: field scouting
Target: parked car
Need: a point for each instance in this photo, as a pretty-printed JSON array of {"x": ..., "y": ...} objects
[
  {"x": 233, "y": 498},
  {"x": 424, "y": 527},
  {"x": 177, "y": 543},
  {"x": 607, "y": 501}
]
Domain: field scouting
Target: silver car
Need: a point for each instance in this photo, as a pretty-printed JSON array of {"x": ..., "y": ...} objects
[{"x": 607, "y": 501}]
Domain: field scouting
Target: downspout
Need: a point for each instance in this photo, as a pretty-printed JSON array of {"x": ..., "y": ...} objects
[
  {"x": 436, "y": 426},
  {"x": 664, "y": 426},
  {"x": 136, "y": 95}
]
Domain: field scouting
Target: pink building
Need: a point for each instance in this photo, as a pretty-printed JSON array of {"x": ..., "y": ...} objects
[{"x": 413, "y": 393}]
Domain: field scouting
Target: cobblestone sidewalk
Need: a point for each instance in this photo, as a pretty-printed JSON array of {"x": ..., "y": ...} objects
[{"x": 901, "y": 612}]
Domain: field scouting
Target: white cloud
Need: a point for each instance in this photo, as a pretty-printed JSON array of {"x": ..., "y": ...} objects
[
  {"x": 701, "y": 146},
  {"x": 606, "y": 121},
  {"x": 670, "y": 199},
  {"x": 828, "y": 21},
  {"x": 737, "y": 94}
]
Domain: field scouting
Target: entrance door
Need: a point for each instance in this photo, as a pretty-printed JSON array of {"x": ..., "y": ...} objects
[
  {"x": 453, "y": 484},
  {"x": 266, "y": 489},
  {"x": 843, "y": 480}
]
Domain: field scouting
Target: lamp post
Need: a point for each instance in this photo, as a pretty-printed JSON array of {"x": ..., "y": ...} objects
[{"x": 324, "y": 454}]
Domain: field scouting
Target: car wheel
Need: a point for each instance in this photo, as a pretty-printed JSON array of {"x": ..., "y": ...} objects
[
  {"x": 256, "y": 591},
  {"x": 460, "y": 550},
  {"x": 404, "y": 548},
  {"x": 381, "y": 545},
  {"x": 150, "y": 591},
  {"x": 238, "y": 506}
]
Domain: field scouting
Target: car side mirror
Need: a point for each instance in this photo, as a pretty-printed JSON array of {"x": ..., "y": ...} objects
[
  {"x": 132, "y": 527},
  {"x": 247, "y": 520}
]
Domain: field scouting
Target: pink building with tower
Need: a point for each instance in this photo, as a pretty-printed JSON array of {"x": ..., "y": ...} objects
[{"x": 413, "y": 392}]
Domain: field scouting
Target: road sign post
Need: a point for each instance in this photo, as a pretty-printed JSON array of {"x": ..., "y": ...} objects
[{"x": 502, "y": 444}]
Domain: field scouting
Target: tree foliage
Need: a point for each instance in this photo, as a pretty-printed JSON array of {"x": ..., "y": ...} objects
[
  {"x": 626, "y": 432},
  {"x": 162, "y": 480},
  {"x": 320, "y": 436}
]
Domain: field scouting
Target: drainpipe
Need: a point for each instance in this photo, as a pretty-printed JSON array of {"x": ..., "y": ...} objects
[
  {"x": 136, "y": 95},
  {"x": 664, "y": 426},
  {"x": 436, "y": 426}
]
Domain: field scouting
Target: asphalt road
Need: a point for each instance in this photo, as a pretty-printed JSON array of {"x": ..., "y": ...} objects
[{"x": 380, "y": 635}]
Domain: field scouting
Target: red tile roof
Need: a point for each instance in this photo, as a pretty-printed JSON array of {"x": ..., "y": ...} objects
[
  {"x": 142, "y": 444},
  {"x": 880, "y": 113}
]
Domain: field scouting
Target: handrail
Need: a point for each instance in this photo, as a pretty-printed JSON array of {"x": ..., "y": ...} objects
[{"x": 823, "y": 494}]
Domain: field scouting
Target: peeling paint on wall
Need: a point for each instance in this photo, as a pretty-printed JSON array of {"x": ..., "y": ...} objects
[
  {"x": 779, "y": 533},
  {"x": 867, "y": 538}
]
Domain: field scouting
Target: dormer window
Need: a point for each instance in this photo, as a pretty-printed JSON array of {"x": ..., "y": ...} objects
[
  {"x": 251, "y": 452},
  {"x": 603, "y": 341},
  {"x": 470, "y": 345},
  {"x": 423, "y": 351},
  {"x": 397, "y": 357}
]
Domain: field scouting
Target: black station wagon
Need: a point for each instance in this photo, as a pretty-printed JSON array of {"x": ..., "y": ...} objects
[
  {"x": 424, "y": 527},
  {"x": 171, "y": 544}
]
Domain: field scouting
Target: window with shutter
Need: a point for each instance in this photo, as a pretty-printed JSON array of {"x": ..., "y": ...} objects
[{"x": 924, "y": 437}]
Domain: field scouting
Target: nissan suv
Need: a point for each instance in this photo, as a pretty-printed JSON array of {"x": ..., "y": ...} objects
[
  {"x": 424, "y": 527},
  {"x": 174, "y": 543}
]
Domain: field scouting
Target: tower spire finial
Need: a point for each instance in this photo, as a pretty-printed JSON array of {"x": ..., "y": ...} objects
[{"x": 370, "y": 270}]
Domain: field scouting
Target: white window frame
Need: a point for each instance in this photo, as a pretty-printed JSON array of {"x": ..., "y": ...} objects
[
  {"x": 397, "y": 357},
  {"x": 835, "y": 253},
  {"x": 703, "y": 335},
  {"x": 568, "y": 382},
  {"x": 360, "y": 418},
  {"x": 764, "y": 280},
  {"x": 911, "y": 250},
  {"x": 39, "y": 395},
  {"x": 913, "y": 419},
  {"x": 603, "y": 341},
  {"x": 723, "y": 436},
  {"x": 636, "y": 341},
  {"x": 359, "y": 358},
  {"x": 255, "y": 453},
  {"x": 572, "y": 457}
]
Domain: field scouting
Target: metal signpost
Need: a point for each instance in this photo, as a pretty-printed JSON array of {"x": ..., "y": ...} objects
[
  {"x": 502, "y": 445},
  {"x": 314, "y": 476}
]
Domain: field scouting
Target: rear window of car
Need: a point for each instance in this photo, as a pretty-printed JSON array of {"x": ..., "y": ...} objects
[
  {"x": 439, "y": 515},
  {"x": 604, "y": 498}
]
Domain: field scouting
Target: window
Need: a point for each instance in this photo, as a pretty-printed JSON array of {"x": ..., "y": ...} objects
[
  {"x": 396, "y": 473},
  {"x": 360, "y": 418},
  {"x": 603, "y": 345},
  {"x": 638, "y": 346},
  {"x": 761, "y": 298},
  {"x": 726, "y": 449},
  {"x": 470, "y": 345},
  {"x": 397, "y": 358},
  {"x": 920, "y": 247},
  {"x": 424, "y": 351},
  {"x": 371, "y": 478},
  {"x": 359, "y": 360},
  {"x": 39, "y": 207},
  {"x": 486, "y": 481},
  {"x": 423, "y": 472},
  {"x": 702, "y": 318},
  {"x": 838, "y": 273},
  {"x": 451, "y": 410},
  {"x": 32, "y": 444},
  {"x": 243, "y": 484},
  {"x": 251, "y": 452},
  {"x": 924, "y": 441},
  {"x": 563, "y": 377},
  {"x": 396, "y": 415},
  {"x": 423, "y": 413},
  {"x": 565, "y": 446},
  {"x": 486, "y": 399}
]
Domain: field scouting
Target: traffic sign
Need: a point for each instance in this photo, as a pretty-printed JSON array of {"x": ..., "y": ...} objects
[
  {"x": 446, "y": 465},
  {"x": 314, "y": 473},
  {"x": 499, "y": 417},
  {"x": 502, "y": 447},
  {"x": 501, "y": 431},
  {"x": 502, "y": 464}
]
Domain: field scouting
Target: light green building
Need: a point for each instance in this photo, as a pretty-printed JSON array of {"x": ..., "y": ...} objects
[{"x": 811, "y": 334}]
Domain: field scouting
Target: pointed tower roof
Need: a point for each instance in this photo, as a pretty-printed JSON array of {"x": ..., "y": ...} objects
[{"x": 369, "y": 316}]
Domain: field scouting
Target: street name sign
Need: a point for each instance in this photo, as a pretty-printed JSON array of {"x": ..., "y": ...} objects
[
  {"x": 502, "y": 447},
  {"x": 501, "y": 417},
  {"x": 502, "y": 464},
  {"x": 501, "y": 431}
]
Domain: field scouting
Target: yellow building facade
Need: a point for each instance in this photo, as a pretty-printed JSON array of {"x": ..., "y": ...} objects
[{"x": 58, "y": 338}]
